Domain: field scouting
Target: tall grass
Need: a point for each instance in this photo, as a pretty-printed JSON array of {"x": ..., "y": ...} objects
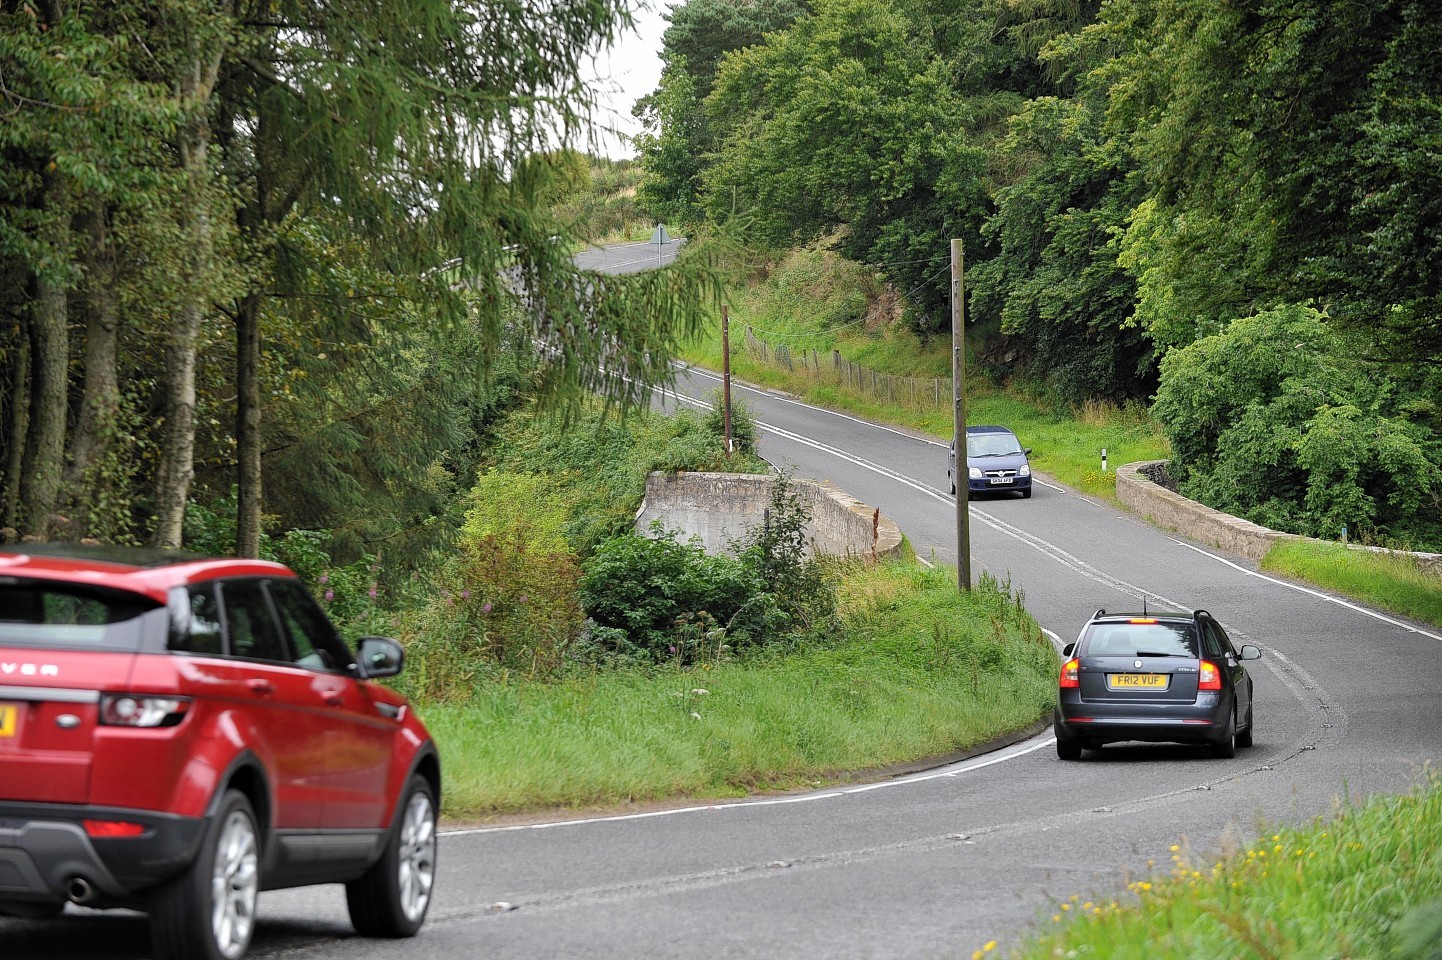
[
  {"x": 919, "y": 670},
  {"x": 1365, "y": 883}
]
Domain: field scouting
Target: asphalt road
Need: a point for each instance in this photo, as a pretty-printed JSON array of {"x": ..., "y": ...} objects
[{"x": 935, "y": 864}]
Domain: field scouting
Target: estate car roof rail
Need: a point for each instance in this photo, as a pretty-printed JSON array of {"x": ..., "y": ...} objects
[{"x": 1101, "y": 612}]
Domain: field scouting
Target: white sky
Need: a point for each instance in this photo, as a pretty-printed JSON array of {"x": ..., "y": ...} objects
[{"x": 630, "y": 71}]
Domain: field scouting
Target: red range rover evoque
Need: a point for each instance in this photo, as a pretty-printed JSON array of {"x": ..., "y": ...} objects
[{"x": 179, "y": 733}]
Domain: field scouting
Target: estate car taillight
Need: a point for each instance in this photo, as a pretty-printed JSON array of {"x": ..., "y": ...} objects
[
  {"x": 1210, "y": 678},
  {"x": 131, "y": 710},
  {"x": 1069, "y": 679}
]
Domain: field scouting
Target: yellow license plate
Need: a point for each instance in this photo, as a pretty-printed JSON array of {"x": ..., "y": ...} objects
[
  {"x": 1138, "y": 680},
  {"x": 9, "y": 716}
]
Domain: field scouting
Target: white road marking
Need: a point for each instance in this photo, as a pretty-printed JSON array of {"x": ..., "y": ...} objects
[
  {"x": 1316, "y": 593},
  {"x": 944, "y": 773}
]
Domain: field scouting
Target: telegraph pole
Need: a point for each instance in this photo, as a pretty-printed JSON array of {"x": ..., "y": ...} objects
[
  {"x": 726, "y": 376},
  {"x": 958, "y": 421}
]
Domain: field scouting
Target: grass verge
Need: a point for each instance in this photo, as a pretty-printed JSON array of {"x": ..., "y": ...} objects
[
  {"x": 1366, "y": 882},
  {"x": 920, "y": 670},
  {"x": 1388, "y": 581}
]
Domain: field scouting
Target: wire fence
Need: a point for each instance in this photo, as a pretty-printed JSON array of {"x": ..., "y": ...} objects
[{"x": 922, "y": 393}]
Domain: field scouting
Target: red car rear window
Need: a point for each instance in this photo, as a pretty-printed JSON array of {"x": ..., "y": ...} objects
[{"x": 47, "y": 612}]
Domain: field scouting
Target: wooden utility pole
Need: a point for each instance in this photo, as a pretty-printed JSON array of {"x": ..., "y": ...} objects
[
  {"x": 726, "y": 375},
  {"x": 958, "y": 421}
]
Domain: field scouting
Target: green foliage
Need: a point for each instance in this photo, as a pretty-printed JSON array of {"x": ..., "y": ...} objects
[
  {"x": 840, "y": 125},
  {"x": 598, "y": 464},
  {"x": 645, "y": 595},
  {"x": 777, "y": 552},
  {"x": 526, "y": 502},
  {"x": 1275, "y": 419},
  {"x": 743, "y": 424},
  {"x": 1063, "y": 302},
  {"x": 505, "y": 601},
  {"x": 657, "y": 598}
]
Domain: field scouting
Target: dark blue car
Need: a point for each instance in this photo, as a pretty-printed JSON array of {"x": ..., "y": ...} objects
[{"x": 996, "y": 462}]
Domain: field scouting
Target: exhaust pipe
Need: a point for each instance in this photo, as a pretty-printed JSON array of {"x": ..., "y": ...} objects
[{"x": 79, "y": 891}]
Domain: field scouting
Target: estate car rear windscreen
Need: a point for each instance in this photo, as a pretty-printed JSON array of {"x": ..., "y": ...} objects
[
  {"x": 47, "y": 613},
  {"x": 1140, "y": 640}
]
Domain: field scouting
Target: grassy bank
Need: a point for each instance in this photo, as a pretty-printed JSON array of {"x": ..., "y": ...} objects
[
  {"x": 920, "y": 670},
  {"x": 1385, "y": 581},
  {"x": 1364, "y": 883}
]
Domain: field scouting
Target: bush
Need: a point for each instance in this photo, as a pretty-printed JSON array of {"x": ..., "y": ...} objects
[
  {"x": 648, "y": 595},
  {"x": 1277, "y": 420},
  {"x": 658, "y": 598},
  {"x": 506, "y": 601}
]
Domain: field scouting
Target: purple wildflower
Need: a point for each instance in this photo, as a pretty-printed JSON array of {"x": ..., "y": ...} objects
[{"x": 330, "y": 595}]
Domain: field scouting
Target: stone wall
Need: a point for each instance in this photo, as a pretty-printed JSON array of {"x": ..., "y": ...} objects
[
  {"x": 720, "y": 507},
  {"x": 1172, "y": 511}
]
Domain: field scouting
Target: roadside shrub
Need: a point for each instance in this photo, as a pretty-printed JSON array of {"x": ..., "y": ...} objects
[
  {"x": 743, "y": 424},
  {"x": 506, "y": 602},
  {"x": 1277, "y": 420},
  {"x": 658, "y": 598},
  {"x": 776, "y": 551},
  {"x": 644, "y": 594}
]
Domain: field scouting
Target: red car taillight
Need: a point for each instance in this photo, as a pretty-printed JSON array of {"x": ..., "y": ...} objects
[
  {"x": 126, "y": 710},
  {"x": 1210, "y": 678},
  {"x": 112, "y": 829},
  {"x": 1069, "y": 679}
]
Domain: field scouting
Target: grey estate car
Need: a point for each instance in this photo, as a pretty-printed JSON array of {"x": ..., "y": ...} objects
[{"x": 1173, "y": 678}]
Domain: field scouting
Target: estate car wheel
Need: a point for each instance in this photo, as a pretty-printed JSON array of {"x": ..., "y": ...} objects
[
  {"x": 392, "y": 898},
  {"x": 1244, "y": 737},
  {"x": 1066, "y": 747},
  {"x": 208, "y": 912},
  {"x": 1227, "y": 749}
]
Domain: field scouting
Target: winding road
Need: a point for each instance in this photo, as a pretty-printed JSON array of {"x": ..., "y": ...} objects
[{"x": 935, "y": 864}]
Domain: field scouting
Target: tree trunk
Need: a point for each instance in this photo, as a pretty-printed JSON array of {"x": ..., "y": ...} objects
[
  {"x": 19, "y": 432},
  {"x": 50, "y": 340},
  {"x": 96, "y": 426},
  {"x": 177, "y": 456},
  {"x": 249, "y": 508}
]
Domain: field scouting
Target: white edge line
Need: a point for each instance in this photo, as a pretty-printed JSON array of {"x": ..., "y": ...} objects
[
  {"x": 742, "y": 804},
  {"x": 1316, "y": 593}
]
